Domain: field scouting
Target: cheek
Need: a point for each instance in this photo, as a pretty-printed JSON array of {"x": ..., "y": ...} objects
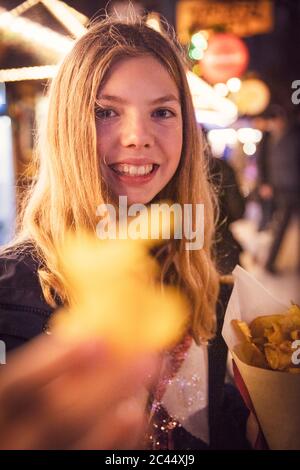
[
  {"x": 106, "y": 139},
  {"x": 102, "y": 145},
  {"x": 174, "y": 146}
]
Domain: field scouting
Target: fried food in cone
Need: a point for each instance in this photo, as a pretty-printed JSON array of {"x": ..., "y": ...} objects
[
  {"x": 260, "y": 324},
  {"x": 267, "y": 341},
  {"x": 279, "y": 356}
]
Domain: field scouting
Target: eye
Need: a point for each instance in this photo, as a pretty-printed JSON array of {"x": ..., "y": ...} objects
[
  {"x": 104, "y": 113},
  {"x": 164, "y": 113}
]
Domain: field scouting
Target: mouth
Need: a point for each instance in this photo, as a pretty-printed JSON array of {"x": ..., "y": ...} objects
[{"x": 134, "y": 171}]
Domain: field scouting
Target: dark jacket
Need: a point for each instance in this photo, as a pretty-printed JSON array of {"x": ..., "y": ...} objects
[
  {"x": 23, "y": 310},
  {"x": 24, "y": 314}
]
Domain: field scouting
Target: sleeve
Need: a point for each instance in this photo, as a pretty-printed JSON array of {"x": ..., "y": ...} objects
[
  {"x": 24, "y": 313},
  {"x": 18, "y": 326},
  {"x": 11, "y": 342}
]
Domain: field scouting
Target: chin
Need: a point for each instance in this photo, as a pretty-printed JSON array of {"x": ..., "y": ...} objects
[
  {"x": 139, "y": 200},
  {"x": 138, "y": 196}
]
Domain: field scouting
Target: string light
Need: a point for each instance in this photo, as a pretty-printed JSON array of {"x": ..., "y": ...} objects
[
  {"x": 64, "y": 15},
  {"x": 28, "y": 73},
  {"x": 54, "y": 45},
  {"x": 20, "y": 9},
  {"x": 210, "y": 108}
]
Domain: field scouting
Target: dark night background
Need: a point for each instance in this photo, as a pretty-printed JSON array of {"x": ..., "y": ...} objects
[{"x": 274, "y": 56}]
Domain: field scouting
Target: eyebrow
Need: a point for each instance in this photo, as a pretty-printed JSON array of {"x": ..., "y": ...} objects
[{"x": 118, "y": 99}]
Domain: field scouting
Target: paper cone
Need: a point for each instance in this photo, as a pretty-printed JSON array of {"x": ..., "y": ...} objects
[{"x": 275, "y": 395}]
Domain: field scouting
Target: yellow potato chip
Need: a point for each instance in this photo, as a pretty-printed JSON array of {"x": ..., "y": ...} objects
[
  {"x": 242, "y": 329},
  {"x": 114, "y": 295},
  {"x": 260, "y": 324},
  {"x": 274, "y": 334},
  {"x": 295, "y": 334},
  {"x": 269, "y": 343},
  {"x": 278, "y": 358},
  {"x": 250, "y": 353}
]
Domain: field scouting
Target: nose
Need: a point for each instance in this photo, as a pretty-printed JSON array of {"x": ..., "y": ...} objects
[{"x": 136, "y": 133}]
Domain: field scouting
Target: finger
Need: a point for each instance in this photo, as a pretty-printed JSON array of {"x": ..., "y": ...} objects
[
  {"x": 120, "y": 428},
  {"x": 74, "y": 399},
  {"x": 45, "y": 353},
  {"x": 21, "y": 434},
  {"x": 65, "y": 409},
  {"x": 40, "y": 362}
]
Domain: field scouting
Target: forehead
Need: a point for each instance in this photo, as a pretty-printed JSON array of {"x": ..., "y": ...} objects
[{"x": 144, "y": 75}]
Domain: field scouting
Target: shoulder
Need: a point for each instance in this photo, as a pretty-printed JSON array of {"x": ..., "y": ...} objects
[
  {"x": 19, "y": 281},
  {"x": 23, "y": 310}
]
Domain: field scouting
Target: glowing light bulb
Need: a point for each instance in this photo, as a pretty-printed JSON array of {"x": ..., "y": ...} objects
[
  {"x": 221, "y": 89},
  {"x": 248, "y": 134},
  {"x": 249, "y": 148},
  {"x": 196, "y": 54},
  {"x": 234, "y": 84},
  {"x": 199, "y": 41}
]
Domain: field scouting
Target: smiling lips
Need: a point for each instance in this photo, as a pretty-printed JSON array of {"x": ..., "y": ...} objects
[{"x": 134, "y": 172}]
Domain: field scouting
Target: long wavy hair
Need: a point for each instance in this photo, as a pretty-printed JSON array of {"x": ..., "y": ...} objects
[{"x": 69, "y": 186}]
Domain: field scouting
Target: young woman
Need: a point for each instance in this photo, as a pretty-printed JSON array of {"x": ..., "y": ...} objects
[{"x": 121, "y": 123}]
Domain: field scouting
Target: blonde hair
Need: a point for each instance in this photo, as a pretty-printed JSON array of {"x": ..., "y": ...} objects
[{"x": 69, "y": 186}]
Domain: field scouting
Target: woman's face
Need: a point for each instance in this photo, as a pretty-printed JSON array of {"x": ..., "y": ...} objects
[{"x": 139, "y": 128}]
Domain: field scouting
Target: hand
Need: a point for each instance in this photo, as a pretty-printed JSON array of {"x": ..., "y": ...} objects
[{"x": 58, "y": 396}]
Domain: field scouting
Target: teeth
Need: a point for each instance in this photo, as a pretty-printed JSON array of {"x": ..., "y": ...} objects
[{"x": 133, "y": 170}]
